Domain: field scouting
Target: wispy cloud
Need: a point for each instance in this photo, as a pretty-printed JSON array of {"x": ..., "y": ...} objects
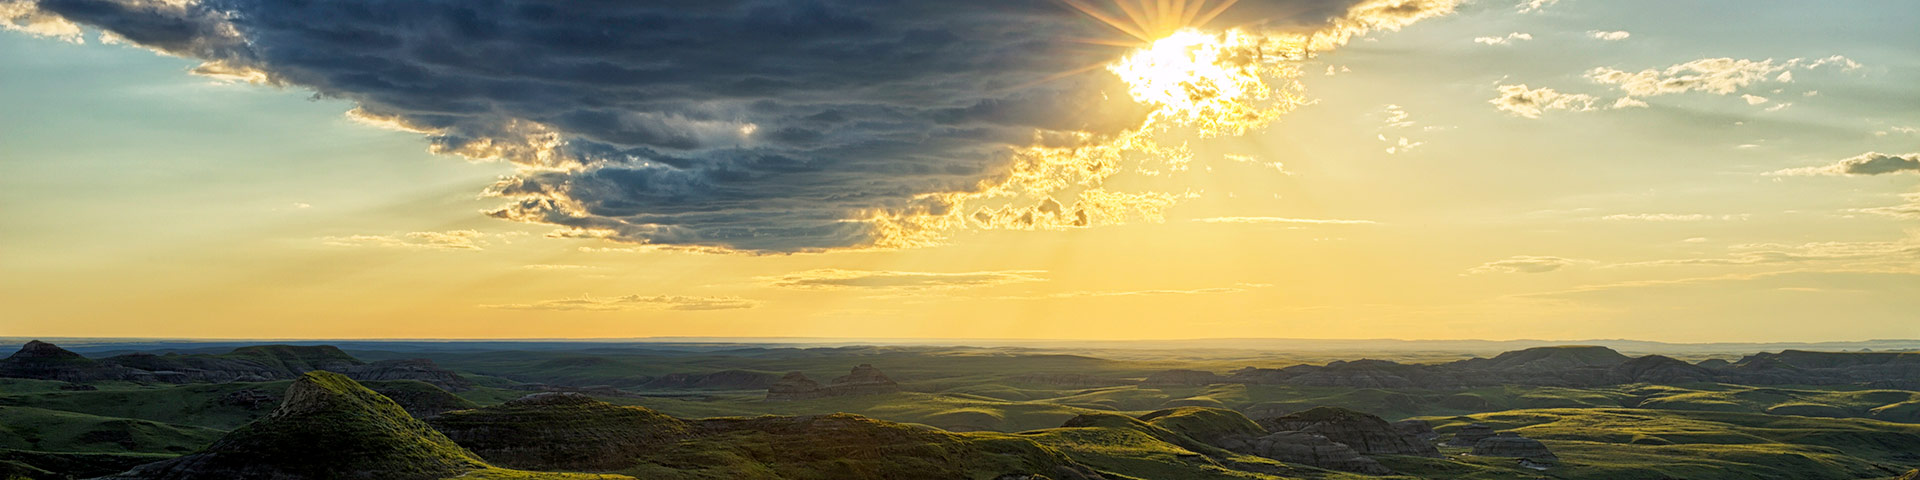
[
  {"x": 1525, "y": 264},
  {"x": 1672, "y": 217},
  {"x": 1870, "y": 163},
  {"x": 1908, "y": 210},
  {"x": 1240, "y": 288},
  {"x": 1506, "y": 40},
  {"x": 448, "y": 240},
  {"x": 634, "y": 302},
  {"x": 867, "y": 279},
  {"x": 1285, "y": 220},
  {"x": 1613, "y": 36}
]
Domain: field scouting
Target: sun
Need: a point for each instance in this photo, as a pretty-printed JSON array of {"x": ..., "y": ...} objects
[{"x": 1216, "y": 81}]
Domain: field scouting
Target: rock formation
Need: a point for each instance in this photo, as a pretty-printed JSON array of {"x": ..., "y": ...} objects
[
  {"x": 1512, "y": 445},
  {"x": 327, "y": 427},
  {"x": 1418, "y": 429},
  {"x": 1367, "y": 434},
  {"x": 1314, "y": 449},
  {"x": 413, "y": 369},
  {"x": 1231, "y": 431},
  {"x": 794, "y": 386},
  {"x": 863, "y": 380},
  {"x": 1470, "y": 435}
]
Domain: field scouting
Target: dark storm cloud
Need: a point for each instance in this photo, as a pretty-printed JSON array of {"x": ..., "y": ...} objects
[{"x": 749, "y": 125}]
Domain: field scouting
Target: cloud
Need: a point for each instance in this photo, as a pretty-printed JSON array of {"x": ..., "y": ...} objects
[
  {"x": 749, "y": 125},
  {"x": 1673, "y": 217},
  {"x": 634, "y": 302},
  {"x": 448, "y": 240},
  {"x": 1506, "y": 40},
  {"x": 1524, "y": 264},
  {"x": 1137, "y": 293},
  {"x": 549, "y": 266},
  {"x": 1613, "y": 36},
  {"x": 1518, "y": 100},
  {"x": 1909, "y": 210},
  {"x": 1284, "y": 220},
  {"x": 1531, "y": 6},
  {"x": 1719, "y": 76},
  {"x": 21, "y": 16},
  {"x": 1870, "y": 163},
  {"x": 1898, "y": 252},
  {"x": 1397, "y": 121},
  {"x": 865, "y": 279}
]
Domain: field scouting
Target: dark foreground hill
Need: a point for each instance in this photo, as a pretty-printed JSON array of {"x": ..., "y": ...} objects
[{"x": 327, "y": 427}]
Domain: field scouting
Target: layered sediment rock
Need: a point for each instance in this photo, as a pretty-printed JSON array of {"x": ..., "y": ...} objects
[
  {"x": 1512, "y": 445},
  {"x": 863, "y": 380},
  {"x": 1316, "y": 450},
  {"x": 1418, "y": 429},
  {"x": 1367, "y": 434},
  {"x": 413, "y": 369},
  {"x": 1470, "y": 435}
]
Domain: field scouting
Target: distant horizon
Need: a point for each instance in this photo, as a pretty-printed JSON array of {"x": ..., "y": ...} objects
[{"x": 885, "y": 340}]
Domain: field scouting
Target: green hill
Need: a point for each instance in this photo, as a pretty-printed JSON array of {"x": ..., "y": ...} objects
[{"x": 327, "y": 427}]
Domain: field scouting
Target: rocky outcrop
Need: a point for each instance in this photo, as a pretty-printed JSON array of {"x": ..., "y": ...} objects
[
  {"x": 327, "y": 427},
  {"x": 863, "y": 380},
  {"x": 1367, "y": 434},
  {"x": 420, "y": 369},
  {"x": 721, "y": 380},
  {"x": 1512, "y": 445},
  {"x": 1418, "y": 429},
  {"x": 1313, "y": 449},
  {"x": 251, "y": 399},
  {"x": 1182, "y": 378},
  {"x": 46, "y": 361},
  {"x": 795, "y": 386},
  {"x": 1470, "y": 435}
]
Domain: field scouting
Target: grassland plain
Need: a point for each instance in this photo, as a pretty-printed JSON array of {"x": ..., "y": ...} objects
[{"x": 986, "y": 399}]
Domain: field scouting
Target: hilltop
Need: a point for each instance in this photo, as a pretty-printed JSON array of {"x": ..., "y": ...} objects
[{"x": 328, "y": 426}]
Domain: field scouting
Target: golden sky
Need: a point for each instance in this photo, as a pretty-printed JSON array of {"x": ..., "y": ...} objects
[{"x": 1714, "y": 171}]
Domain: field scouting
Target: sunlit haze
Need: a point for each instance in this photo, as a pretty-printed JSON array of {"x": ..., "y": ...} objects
[{"x": 1708, "y": 171}]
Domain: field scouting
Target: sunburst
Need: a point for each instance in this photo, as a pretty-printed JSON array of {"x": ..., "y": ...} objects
[{"x": 1148, "y": 21}]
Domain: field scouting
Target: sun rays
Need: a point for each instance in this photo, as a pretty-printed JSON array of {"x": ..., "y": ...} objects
[{"x": 1151, "y": 20}]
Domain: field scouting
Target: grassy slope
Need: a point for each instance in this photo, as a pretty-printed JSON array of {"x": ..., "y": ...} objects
[
  {"x": 1620, "y": 443},
  {"x": 27, "y": 428}
]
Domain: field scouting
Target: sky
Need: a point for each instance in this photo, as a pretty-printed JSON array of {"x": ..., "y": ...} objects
[{"x": 1073, "y": 169}]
